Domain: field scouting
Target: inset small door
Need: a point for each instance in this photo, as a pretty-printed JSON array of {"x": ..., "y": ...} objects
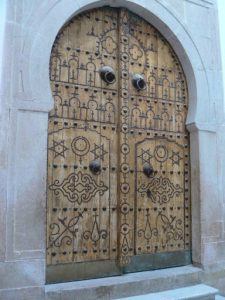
[{"x": 118, "y": 191}]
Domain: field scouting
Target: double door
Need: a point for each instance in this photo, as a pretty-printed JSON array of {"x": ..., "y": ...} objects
[{"x": 118, "y": 197}]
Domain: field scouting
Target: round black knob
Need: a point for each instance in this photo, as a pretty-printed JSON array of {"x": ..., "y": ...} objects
[
  {"x": 95, "y": 166},
  {"x": 148, "y": 170},
  {"x": 107, "y": 74},
  {"x": 138, "y": 82}
]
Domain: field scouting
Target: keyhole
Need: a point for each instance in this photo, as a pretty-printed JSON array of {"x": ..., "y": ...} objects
[{"x": 149, "y": 193}]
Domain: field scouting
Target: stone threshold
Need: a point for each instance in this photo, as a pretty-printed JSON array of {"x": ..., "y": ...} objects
[
  {"x": 194, "y": 292},
  {"x": 126, "y": 285}
]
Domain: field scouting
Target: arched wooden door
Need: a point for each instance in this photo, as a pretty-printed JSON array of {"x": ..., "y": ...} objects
[{"x": 118, "y": 191}]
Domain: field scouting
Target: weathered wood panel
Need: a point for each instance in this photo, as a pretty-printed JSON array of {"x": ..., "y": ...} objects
[
  {"x": 155, "y": 209},
  {"x": 139, "y": 202},
  {"x": 82, "y": 205}
]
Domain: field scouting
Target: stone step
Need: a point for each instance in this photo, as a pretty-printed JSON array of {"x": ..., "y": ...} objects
[
  {"x": 126, "y": 285},
  {"x": 195, "y": 292}
]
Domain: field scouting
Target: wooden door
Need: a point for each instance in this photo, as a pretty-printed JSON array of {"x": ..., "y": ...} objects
[{"x": 105, "y": 214}]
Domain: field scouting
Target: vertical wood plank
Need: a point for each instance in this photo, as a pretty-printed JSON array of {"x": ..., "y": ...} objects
[{"x": 82, "y": 204}]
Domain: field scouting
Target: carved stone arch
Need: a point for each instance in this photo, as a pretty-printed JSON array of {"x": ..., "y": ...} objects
[{"x": 158, "y": 15}]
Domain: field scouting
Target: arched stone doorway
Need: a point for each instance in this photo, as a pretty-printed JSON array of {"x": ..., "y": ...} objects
[
  {"x": 29, "y": 99},
  {"x": 133, "y": 213}
]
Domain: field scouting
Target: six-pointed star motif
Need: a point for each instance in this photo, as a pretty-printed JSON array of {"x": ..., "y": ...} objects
[
  {"x": 99, "y": 151},
  {"x": 145, "y": 156},
  {"x": 59, "y": 148},
  {"x": 175, "y": 157}
]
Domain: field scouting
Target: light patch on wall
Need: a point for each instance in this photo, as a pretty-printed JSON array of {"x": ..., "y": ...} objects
[
  {"x": 221, "y": 11},
  {"x": 2, "y": 30},
  {"x": 203, "y": 3}
]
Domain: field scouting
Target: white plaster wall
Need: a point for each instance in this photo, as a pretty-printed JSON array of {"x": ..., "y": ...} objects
[
  {"x": 221, "y": 13},
  {"x": 2, "y": 28},
  {"x": 31, "y": 26},
  {"x": 3, "y": 133},
  {"x": 221, "y": 139}
]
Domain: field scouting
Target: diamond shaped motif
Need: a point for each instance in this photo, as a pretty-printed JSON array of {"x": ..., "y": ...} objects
[
  {"x": 78, "y": 187},
  {"x": 160, "y": 190}
]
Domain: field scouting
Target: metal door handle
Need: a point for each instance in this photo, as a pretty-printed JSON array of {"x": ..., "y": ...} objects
[
  {"x": 95, "y": 166},
  {"x": 107, "y": 74},
  {"x": 138, "y": 82},
  {"x": 148, "y": 170}
]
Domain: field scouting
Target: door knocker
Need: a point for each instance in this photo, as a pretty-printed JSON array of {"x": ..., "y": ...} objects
[
  {"x": 148, "y": 170},
  {"x": 107, "y": 74},
  {"x": 95, "y": 166},
  {"x": 138, "y": 82}
]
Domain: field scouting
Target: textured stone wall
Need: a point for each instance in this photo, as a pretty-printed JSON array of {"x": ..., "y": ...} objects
[{"x": 31, "y": 26}]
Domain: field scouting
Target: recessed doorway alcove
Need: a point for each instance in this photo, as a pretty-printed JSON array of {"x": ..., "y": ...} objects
[{"x": 30, "y": 101}]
